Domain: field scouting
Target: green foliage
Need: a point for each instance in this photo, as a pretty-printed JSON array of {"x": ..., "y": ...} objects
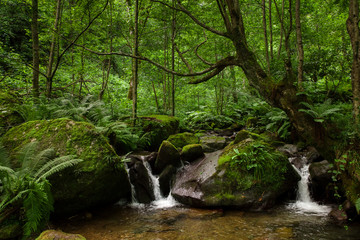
[
  {"x": 320, "y": 112},
  {"x": 357, "y": 205},
  {"x": 206, "y": 121},
  {"x": 278, "y": 122},
  {"x": 26, "y": 190}
]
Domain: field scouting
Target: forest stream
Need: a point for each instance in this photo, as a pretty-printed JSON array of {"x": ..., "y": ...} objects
[{"x": 164, "y": 218}]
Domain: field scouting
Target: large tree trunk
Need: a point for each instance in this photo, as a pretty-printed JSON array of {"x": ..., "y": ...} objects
[
  {"x": 136, "y": 62},
  {"x": 279, "y": 94},
  {"x": 173, "y": 61},
  {"x": 300, "y": 48},
  {"x": 35, "y": 48},
  {"x": 265, "y": 36},
  {"x": 352, "y": 25}
]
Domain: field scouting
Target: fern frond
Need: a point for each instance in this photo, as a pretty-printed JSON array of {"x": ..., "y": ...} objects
[
  {"x": 27, "y": 153},
  {"x": 58, "y": 168},
  {"x": 4, "y": 158},
  {"x": 53, "y": 163},
  {"x": 41, "y": 158},
  {"x": 10, "y": 201},
  {"x": 7, "y": 170}
]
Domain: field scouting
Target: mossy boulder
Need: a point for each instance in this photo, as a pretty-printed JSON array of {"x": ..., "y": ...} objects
[
  {"x": 181, "y": 139},
  {"x": 167, "y": 155},
  {"x": 192, "y": 152},
  {"x": 249, "y": 175},
  {"x": 156, "y": 129},
  {"x": 59, "y": 235},
  {"x": 101, "y": 177},
  {"x": 244, "y": 134},
  {"x": 9, "y": 116},
  {"x": 212, "y": 143}
]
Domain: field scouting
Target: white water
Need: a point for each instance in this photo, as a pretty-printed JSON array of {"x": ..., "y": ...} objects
[
  {"x": 133, "y": 194},
  {"x": 304, "y": 204}
]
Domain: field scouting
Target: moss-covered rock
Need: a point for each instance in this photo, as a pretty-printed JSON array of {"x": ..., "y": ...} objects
[
  {"x": 192, "y": 152},
  {"x": 250, "y": 174},
  {"x": 157, "y": 128},
  {"x": 9, "y": 117},
  {"x": 212, "y": 143},
  {"x": 181, "y": 139},
  {"x": 59, "y": 235},
  {"x": 167, "y": 155},
  {"x": 244, "y": 134},
  {"x": 101, "y": 177}
]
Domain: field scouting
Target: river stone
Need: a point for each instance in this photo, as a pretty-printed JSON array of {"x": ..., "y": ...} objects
[
  {"x": 217, "y": 180},
  {"x": 141, "y": 181},
  {"x": 181, "y": 139},
  {"x": 212, "y": 143},
  {"x": 289, "y": 149},
  {"x": 59, "y": 235},
  {"x": 166, "y": 178},
  {"x": 167, "y": 155},
  {"x": 99, "y": 180},
  {"x": 192, "y": 152},
  {"x": 312, "y": 154}
]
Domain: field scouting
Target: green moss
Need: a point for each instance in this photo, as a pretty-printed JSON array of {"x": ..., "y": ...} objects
[
  {"x": 181, "y": 139},
  {"x": 156, "y": 129},
  {"x": 59, "y": 235},
  {"x": 192, "y": 152},
  {"x": 243, "y": 134},
  {"x": 88, "y": 183},
  {"x": 226, "y": 196},
  {"x": 9, "y": 117}
]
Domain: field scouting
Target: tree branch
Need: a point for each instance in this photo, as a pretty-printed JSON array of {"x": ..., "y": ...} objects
[{"x": 196, "y": 51}]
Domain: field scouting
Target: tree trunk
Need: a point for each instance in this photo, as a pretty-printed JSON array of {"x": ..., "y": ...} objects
[
  {"x": 265, "y": 36},
  {"x": 136, "y": 63},
  {"x": 156, "y": 99},
  {"x": 165, "y": 74},
  {"x": 352, "y": 24},
  {"x": 173, "y": 22},
  {"x": 271, "y": 32},
  {"x": 300, "y": 48},
  {"x": 49, "y": 75},
  {"x": 35, "y": 48}
]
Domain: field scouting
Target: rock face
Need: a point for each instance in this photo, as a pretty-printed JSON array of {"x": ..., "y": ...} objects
[
  {"x": 212, "y": 143},
  {"x": 101, "y": 177},
  {"x": 166, "y": 178},
  {"x": 192, "y": 152},
  {"x": 321, "y": 180},
  {"x": 157, "y": 128},
  {"x": 181, "y": 139},
  {"x": 141, "y": 181},
  {"x": 232, "y": 178},
  {"x": 59, "y": 235},
  {"x": 167, "y": 155}
]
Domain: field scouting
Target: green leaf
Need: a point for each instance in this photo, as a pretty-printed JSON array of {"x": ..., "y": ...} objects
[{"x": 357, "y": 205}]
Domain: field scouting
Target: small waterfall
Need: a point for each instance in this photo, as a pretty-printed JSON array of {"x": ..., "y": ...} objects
[
  {"x": 133, "y": 194},
  {"x": 154, "y": 180},
  {"x": 304, "y": 204}
]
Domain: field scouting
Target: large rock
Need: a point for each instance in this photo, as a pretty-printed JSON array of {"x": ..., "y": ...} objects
[
  {"x": 59, "y": 235},
  {"x": 9, "y": 116},
  {"x": 321, "y": 182},
  {"x": 167, "y": 155},
  {"x": 166, "y": 178},
  {"x": 227, "y": 178},
  {"x": 156, "y": 129},
  {"x": 212, "y": 143},
  {"x": 141, "y": 181},
  {"x": 192, "y": 152},
  {"x": 101, "y": 177},
  {"x": 182, "y": 139}
]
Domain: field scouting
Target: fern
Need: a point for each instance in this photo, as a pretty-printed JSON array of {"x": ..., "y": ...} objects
[
  {"x": 27, "y": 190},
  {"x": 320, "y": 112}
]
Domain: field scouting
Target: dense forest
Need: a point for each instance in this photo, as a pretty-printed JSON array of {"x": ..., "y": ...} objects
[{"x": 84, "y": 80}]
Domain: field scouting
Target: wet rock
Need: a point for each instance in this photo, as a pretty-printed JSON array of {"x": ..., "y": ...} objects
[
  {"x": 167, "y": 155},
  {"x": 312, "y": 154},
  {"x": 321, "y": 180},
  {"x": 182, "y": 139},
  {"x": 192, "y": 152},
  {"x": 219, "y": 180},
  {"x": 289, "y": 149},
  {"x": 59, "y": 235},
  {"x": 338, "y": 215},
  {"x": 141, "y": 181},
  {"x": 99, "y": 179},
  {"x": 166, "y": 178},
  {"x": 151, "y": 158},
  {"x": 298, "y": 161},
  {"x": 212, "y": 143}
]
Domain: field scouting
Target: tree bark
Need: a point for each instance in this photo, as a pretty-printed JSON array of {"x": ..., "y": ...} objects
[
  {"x": 271, "y": 32},
  {"x": 300, "y": 48},
  {"x": 49, "y": 78},
  {"x": 265, "y": 35},
  {"x": 136, "y": 63},
  {"x": 352, "y": 24},
  {"x": 173, "y": 22},
  {"x": 35, "y": 48}
]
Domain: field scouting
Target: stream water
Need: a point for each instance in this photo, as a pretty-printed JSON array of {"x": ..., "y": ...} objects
[{"x": 166, "y": 219}]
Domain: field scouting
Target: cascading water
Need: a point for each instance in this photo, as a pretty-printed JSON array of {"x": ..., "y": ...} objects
[
  {"x": 160, "y": 201},
  {"x": 304, "y": 203}
]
